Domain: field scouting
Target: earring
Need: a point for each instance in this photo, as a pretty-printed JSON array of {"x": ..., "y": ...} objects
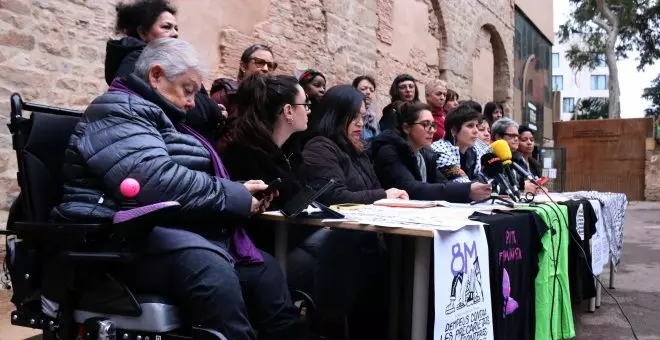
[{"x": 290, "y": 121}]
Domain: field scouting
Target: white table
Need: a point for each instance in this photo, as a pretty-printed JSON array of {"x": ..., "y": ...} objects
[{"x": 422, "y": 262}]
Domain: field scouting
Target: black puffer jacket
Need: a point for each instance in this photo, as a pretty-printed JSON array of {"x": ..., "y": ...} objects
[
  {"x": 396, "y": 167},
  {"x": 355, "y": 178},
  {"x": 130, "y": 132},
  {"x": 120, "y": 58}
]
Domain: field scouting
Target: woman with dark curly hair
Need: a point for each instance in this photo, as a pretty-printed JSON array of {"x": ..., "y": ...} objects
[{"x": 140, "y": 22}]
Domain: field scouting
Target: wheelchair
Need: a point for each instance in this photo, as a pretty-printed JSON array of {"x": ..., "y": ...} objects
[{"x": 61, "y": 274}]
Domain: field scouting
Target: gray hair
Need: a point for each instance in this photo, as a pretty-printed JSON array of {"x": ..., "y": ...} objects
[
  {"x": 501, "y": 125},
  {"x": 175, "y": 56}
]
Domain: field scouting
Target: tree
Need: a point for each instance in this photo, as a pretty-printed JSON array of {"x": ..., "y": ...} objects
[
  {"x": 653, "y": 94},
  {"x": 591, "y": 108},
  {"x": 611, "y": 28}
]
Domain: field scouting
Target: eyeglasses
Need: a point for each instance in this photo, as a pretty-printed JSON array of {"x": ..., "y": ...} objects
[
  {"x": 512, "y": 135},
  {"x": 260, "y": 63},
  {"x": 428, "y": 125},
  {"x": 308, "y": 105}
]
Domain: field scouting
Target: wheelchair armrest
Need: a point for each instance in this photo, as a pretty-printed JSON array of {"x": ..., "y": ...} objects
[
  {"x": 144, "y": 218},
  {"x": 50, "y": 229},
  {"x": 99, "y": 257},
  {"x": 206, "y": 334}
]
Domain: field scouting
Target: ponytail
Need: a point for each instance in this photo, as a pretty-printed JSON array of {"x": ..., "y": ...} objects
[
  {"x": 260, "y": 102},
  {"x": 408, "y": 113}
]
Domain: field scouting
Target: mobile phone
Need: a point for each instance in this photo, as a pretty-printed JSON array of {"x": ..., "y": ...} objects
[
  {"x": 542, "y": 180},
  {"x": 273, "y": 186}
]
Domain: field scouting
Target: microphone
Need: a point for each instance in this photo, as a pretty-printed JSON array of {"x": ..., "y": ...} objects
[
  {"x": 493, "y": 168},
  {"x": 502, "y": 150}
]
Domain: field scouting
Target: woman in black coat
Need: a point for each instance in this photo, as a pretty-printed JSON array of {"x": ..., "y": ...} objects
[
  {"x": 142, "y": 22},
  {"x": 402, "y": 159},
  {"x": 354, "y": 277},
  {"x": 337, "y": 152},
  {"x": 272, "y": 108},
  {"x": 403, "y": 90},
  {"x": 200, "y": 259}
]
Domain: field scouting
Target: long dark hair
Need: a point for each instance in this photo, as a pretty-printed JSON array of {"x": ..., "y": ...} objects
[
  {"x": 394, "y": 89},
  {"x": 490, "y": 108},
  {"x": 247, "y": 54},
  {"x": 408, "y": 114},
  {"x": 340, "y": 105},
  {"x": 260, "y": 102},
  {"x": 138, "y": 17}
]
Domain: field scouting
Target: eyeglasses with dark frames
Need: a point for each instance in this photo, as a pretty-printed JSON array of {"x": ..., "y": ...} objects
[
  {"x": 260, "y": 63},
  {"x": 427, "y": 125}
]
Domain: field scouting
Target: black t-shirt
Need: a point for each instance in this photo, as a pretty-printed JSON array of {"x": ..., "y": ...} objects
[
  {"x": 514, "y": 241},
  {"x": 582, "y": 226}
]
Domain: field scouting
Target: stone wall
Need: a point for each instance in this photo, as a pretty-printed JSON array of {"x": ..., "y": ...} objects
[
  {"x": 51, "y": 51},
  {"x": 652, "y": 175}
]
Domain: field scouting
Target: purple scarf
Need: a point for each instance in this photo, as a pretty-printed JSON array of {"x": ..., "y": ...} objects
[{"x": 244, "y": 251}]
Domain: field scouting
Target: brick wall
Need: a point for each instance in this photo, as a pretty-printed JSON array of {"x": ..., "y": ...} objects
[
  {"x": 652, "y": 175},
  {"x": 51, "y": 51}
]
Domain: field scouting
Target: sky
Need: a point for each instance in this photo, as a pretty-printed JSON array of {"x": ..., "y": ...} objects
[{"x": 631, "y": 81}]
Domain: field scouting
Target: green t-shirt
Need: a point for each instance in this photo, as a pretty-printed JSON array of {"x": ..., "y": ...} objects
[{"x": 557, "y": 309}]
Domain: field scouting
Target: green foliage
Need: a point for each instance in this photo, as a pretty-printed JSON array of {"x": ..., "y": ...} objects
[
  {"x": 638, "y": 29},
  {"x": 653, "y": 94},
  {"x": 591, "y": 108}
]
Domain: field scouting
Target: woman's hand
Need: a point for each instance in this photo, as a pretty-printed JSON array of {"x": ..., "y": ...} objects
[
  {"x": 223, "y": 111},
  {"x": 396, "y": 193},
  {"x": 254, "y": 186},
  {"x": 259, "y": 206},
  {"x": 531, "y": 187}
]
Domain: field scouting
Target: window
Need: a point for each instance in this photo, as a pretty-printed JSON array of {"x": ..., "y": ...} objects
[
  {"x": 599, "y": 82},
  {"x": 569, "y": 104},
  {"x": 601, "y": 61},
  {"x": 555, "y": 60},
  {"x": 558, "y": 83}
]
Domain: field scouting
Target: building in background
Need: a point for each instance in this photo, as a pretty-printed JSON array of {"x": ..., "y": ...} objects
[
  {"x": 576, "y": 86},
  {"x": 532, "y": 65},
  {"x": 468, "y": 43}
]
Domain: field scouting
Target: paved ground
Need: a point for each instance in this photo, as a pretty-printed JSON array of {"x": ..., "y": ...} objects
[{"x": 637, "y": 288}]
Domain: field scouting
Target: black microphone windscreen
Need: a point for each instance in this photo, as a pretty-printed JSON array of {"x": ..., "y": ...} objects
[{"x": 491, "y": 165}]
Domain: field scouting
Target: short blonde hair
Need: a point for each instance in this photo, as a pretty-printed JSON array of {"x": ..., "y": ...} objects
[{"x": 430, "y": 86}]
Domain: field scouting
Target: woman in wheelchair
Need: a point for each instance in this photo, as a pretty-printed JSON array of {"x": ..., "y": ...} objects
[{"x": 200, "y": 260}]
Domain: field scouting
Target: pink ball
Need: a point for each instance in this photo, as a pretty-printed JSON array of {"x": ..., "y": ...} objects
[{"x": 129, "y": 188}]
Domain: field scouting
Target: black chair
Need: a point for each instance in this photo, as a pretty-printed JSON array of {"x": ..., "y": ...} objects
[{"x": 61, "y": 276}]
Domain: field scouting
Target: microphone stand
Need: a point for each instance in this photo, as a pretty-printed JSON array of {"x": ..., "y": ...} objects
[{"x": 495, "y": 198}]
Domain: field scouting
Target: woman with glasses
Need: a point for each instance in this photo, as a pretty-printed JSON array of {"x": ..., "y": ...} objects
[
  {"x": 313, "y": 83},
  {"x": 257, "y": 58},
  {"x": 506, "y": 129},
  {"x": 402, "y": 159},
  {"x": 404, "y": 88},
  {"x": 351, "y": 278},
  {"x": 271, "y": 108}
]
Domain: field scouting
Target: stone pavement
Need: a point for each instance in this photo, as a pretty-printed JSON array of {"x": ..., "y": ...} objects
[{"x": 636, "y": 287}]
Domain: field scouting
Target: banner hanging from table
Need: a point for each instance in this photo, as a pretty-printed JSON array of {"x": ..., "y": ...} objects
[{"x": 462, "y": 285}]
